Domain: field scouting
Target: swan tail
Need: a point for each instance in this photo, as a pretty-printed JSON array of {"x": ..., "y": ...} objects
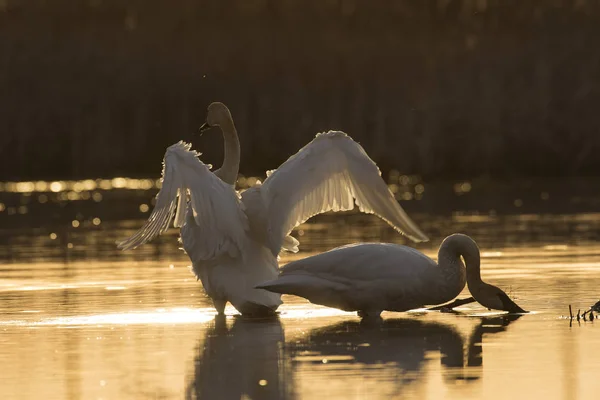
[{"x": 314, "y": 289}]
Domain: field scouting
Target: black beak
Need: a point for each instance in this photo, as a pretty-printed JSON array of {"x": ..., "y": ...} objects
[
  {"x": 510, "y": 305},
  {"x": 204, "y": 127}
]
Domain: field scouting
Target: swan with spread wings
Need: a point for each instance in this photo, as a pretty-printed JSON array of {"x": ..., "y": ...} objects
[{"x": 233, "y": 240}]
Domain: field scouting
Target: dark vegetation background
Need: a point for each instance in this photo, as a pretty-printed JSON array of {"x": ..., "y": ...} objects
[{"x": 445, "y": 88}]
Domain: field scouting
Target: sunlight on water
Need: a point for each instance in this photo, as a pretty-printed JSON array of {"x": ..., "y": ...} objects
[
  {"x": 160, "y": 316},
  {"x": 79, "y": 186},
  {"x": 404, "y": 187},
  {"x": 170, "y": 316},
  {"x": 80, "y": 319}
]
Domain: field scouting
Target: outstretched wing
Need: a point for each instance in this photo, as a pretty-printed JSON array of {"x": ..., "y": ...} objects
[
  {"x": 215, "y": 204},
  {"x": 329, "y": 174}
]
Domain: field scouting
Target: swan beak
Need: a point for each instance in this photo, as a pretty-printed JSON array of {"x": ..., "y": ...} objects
[
  {"x": 510, "y": 306},
  {"x": 204, "y": 127}
]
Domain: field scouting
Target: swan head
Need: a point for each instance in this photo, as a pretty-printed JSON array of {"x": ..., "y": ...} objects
[
  {"x": 494, "y": 298},
  {"x": 460, "y": 245},
  {"x": 217, "y": 115}
]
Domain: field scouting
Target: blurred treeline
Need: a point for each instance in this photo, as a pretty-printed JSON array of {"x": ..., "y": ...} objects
[{"x": 442, "y": 88}]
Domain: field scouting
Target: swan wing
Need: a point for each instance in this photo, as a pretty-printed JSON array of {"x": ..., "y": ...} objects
[
  {"x": 329, "y": 174},
  {"x": 215, "y": 205},
  {"x": 361, "y": 262}
]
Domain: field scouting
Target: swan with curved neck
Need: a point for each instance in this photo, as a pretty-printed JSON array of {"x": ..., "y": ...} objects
[
  {"x": 218, "y": 115},
  {"x": 234, "y": 240},
  {"x": 373, "y": 277},
  {"x": 457, "y": 245}
]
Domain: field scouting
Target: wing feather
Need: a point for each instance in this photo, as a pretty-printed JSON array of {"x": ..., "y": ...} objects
[
  {"x": 215, "y": 205},
  {"x": 330, "y": 174}
]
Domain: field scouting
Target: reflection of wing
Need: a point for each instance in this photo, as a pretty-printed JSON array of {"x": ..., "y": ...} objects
[
  {"x": 216, "y": 206},
  {"x": 329, "y": 174},
  {"x": 245, "y": 361}
]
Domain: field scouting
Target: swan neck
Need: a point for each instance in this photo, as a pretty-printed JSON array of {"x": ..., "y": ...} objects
[
  {"x": 231, "y": 160},
  {"x": 457, "y": 246},
  {"x": 453, "y": 274},
  {"x": 473, "y": 266}
]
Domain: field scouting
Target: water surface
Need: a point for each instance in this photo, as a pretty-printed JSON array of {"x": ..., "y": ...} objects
[{"x": 79, "y": 319}]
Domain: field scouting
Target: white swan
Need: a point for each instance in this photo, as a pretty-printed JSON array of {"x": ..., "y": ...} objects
[
  {"x": 232, "y": 240},
  {"x": 372, "y": 277}
]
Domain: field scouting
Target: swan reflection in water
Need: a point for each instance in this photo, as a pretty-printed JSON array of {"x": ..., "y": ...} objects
[
  {"x": 250, "y": 360},
  {"x": 395, "y": 350},
  {"x": 244, "y": 361}
]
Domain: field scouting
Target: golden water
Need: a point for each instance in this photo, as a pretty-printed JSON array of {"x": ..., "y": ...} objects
[{"x": 81, "y": 320}]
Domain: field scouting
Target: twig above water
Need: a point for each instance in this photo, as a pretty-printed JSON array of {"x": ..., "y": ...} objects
[
  {"x": 588, "y": 314},
  {"x": 570, "y": 312}
]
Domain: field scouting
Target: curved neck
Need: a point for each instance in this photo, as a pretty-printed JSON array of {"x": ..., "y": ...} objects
[
  {"x": 453, "y": 269},
  {"x": 231, "y": 160},
  {"x": 449, "y": 259},
  {"x": 473, "y": 265}
]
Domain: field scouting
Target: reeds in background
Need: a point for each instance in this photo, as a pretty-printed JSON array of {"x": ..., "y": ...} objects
[{"x": 440, "y": 88}]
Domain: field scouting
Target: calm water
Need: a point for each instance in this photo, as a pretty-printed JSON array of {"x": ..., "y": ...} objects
[{"x": 80, "y": 320}]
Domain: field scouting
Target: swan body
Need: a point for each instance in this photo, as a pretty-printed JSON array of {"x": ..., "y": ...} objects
[
  {"x": 234, "y": 240},
  {"x": 372, "y": 277}
]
